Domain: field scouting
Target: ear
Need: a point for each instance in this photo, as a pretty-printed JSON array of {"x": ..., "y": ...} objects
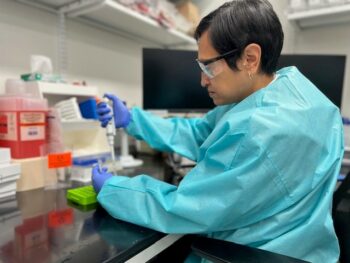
[{"x": 251, "y": 58}]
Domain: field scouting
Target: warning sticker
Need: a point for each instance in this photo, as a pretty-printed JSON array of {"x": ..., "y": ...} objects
[
  {"x": 58, "y": 160},
  {"x": 8, "y": 126},
  {"x": 3, "y": 123},
  {"x": 32, "y": 133},
  {"x": 32, "y": 126},
  {"x": 32, "y": 118}
]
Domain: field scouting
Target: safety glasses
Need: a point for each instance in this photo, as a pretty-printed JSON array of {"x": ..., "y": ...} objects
[{"x": 214, "y": 66}]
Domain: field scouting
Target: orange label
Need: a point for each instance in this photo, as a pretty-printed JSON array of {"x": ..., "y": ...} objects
[
  {"x": 58, "y": 160},
  {"x": 61, "y": 217}
]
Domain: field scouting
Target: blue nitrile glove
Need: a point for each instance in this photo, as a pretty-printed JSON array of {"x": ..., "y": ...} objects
[
  {"x": 99, "y": 177},
  {"x": 120, "y": 112}
]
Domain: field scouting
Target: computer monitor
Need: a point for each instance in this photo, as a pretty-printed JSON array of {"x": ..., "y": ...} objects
[
  {"x": 171, "y": 81},
  {"x": 171, "y": 78},
  {"x": 325, "y": 71}
]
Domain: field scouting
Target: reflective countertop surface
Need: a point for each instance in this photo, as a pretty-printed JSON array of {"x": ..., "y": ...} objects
[{"x": 40, "y": 226}]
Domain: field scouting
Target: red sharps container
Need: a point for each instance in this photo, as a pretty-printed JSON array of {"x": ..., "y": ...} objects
[{"x": 22, "y": 125}]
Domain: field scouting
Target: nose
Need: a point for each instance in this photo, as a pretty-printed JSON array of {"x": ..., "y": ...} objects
[{"x": 205, "y": 81}]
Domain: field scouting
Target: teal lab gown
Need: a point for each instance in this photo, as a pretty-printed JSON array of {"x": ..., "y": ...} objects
[{"x": 265, "y": 172}]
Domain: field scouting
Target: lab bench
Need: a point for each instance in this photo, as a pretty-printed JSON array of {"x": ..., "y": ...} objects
[{"x": 41, "y": 226}]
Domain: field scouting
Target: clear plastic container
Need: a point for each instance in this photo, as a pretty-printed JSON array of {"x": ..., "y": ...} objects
[{"x": 22, "y": 125}]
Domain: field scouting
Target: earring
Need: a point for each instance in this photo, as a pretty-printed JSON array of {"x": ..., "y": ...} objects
[{"x": 250, "y": 76}]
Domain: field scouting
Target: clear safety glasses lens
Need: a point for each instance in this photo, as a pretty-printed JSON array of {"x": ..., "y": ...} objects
[
  {"x": 211, "y": 70},
  {"x": 212, "y": 67},
  {"x": 205, "y": 69}
]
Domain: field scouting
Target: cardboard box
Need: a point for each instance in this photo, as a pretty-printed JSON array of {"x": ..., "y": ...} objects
[
  {"x": 191, "y": 12},
  {"x": 35, "y": 174}
]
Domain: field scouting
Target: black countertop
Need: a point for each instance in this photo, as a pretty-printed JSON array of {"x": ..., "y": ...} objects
[{"x": 40, "y": 226}]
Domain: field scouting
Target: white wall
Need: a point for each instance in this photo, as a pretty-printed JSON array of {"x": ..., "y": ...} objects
[
  {"x": 113, "y": 63},
  {"x": 333, "y": 39},
  {"x": 328, "y": 40},
  {"x": 102, "y": 59}
]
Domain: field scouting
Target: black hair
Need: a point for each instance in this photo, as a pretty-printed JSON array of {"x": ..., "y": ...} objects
[{"x": 238, "y": 23}]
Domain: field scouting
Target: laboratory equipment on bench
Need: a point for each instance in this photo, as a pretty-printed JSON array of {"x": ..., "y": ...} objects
[
  {"x": 126, "y": 159},
  {"x": 85, "y": 195},
  {"x": 82, "y": 166}
]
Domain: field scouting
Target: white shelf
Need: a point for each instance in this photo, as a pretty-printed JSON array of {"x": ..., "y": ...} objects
[
  {"x": 116, "y": 18},
  {"x": 327, "y": 15},
  {"x": 47, "y": 88},
  {"x": 55, "y": 92},
  {"x": 114, "y": 15}
]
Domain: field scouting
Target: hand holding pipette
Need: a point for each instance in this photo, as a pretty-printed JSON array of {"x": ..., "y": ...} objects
[
  {"x": 108, "y": 123},
  {"x": 111, "y": 116},
  {"x": 120, "y": 112}
]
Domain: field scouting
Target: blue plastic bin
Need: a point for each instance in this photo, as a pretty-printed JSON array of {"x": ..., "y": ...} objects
[{"x": 88, "y": 109}]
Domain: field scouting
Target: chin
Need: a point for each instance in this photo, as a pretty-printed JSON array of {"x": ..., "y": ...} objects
[
  {"x": 222, "y": 102},
  {"x": 218, "y": 102}
]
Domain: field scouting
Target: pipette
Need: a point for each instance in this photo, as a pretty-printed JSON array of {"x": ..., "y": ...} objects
[{"x": 110, "y": 134}]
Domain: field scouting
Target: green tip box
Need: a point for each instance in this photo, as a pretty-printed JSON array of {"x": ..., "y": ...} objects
[{"x": 84, "y": 196}]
